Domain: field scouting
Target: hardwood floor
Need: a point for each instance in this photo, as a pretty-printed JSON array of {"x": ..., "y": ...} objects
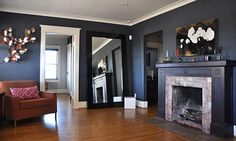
[{"x": 110, "y": 124}]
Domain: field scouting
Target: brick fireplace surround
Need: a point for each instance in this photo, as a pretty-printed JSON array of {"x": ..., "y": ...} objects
[{"x": 221, "y": 103}]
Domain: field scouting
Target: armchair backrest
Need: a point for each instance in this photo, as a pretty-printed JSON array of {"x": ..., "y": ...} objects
[{"x": 6, "y": 85}]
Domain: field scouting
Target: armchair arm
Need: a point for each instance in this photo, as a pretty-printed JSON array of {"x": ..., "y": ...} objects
[
  {"x": 11, "y": 106},
  {"x": 52, "y": 96},
  {"x": 48, "y": 95}
]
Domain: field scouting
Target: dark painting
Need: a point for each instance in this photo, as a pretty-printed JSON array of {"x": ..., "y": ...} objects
[{"x": 196, "y": 39}]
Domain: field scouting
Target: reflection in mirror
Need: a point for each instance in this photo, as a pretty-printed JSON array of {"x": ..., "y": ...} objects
[{"x": 107, "y": 71}]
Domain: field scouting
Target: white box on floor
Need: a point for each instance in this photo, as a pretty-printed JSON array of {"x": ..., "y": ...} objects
[{"x": 130, "y": 102}]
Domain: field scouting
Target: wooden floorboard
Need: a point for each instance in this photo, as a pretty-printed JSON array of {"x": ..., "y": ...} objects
[{"x": 108, "y": 124}]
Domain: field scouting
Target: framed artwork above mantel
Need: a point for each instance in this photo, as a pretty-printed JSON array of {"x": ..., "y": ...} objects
[{"x": 197, "y": 39}]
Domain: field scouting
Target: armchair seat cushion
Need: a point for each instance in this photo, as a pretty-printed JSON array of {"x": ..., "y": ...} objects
[{"x": 35, "y": 103}]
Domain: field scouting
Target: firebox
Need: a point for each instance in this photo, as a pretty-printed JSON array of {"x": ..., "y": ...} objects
[
  {"x": 100, "y": 94},
  {"x": 187, "y": 105}
]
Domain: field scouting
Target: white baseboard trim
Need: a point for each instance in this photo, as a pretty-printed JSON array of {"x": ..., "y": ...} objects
[
  {"x": 81, "y": 105},
  {"x": 235, "y": 130},
  {"x": 58, "y": 91},
  {"x": 141, "y": 104}
]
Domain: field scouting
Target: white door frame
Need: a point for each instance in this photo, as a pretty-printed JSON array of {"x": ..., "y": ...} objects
[
  {"x": 69, "y": 67},
  {"x": 75, "y": 33}
]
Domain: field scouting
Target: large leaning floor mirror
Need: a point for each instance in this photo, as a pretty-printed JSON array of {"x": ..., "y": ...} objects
[{"x": 105, "y": 69}]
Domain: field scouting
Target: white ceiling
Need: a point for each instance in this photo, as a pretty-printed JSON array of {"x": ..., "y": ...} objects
[{"x": 125, "y": 12}]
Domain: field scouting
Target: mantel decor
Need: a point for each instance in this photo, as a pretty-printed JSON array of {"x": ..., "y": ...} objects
[
  {"x": 167, "y": 58},
  {"x": 16, "y": 46}
]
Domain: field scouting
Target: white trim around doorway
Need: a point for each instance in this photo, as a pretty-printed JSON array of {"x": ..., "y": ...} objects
[{"x": 75, "y": 33}]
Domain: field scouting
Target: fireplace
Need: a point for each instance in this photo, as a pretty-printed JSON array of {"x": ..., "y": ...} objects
[
  {"x": 100, "y": 89},
  {"x": 216, "y": 79},
  {"x": 188, "y": 101}
]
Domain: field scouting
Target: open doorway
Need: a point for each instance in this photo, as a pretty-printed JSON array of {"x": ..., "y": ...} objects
[
  {"x": 58, "y": 64},
  {"x": 153, "y": 49},
  {"x": 49, "y": 79}
]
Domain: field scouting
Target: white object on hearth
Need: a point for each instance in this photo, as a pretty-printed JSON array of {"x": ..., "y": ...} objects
[{"x": 130, "y": 102}]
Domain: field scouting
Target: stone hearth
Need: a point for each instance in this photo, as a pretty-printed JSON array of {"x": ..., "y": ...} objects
[{"x": 205, "y": 83}]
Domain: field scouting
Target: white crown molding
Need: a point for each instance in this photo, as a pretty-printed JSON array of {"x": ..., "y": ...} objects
[
  {"x": 102, "y": 45},
  {"x": 102, "y": 20},
  {"x": 163, "y": 10}
]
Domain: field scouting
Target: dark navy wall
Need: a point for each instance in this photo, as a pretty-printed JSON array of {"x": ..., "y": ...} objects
[
  {"x": 29, "y": 67},
  {"x": 223, "y": 10}
]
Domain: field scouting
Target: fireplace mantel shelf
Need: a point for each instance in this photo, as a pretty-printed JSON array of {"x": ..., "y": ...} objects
[{"x": 198, "y": 64}]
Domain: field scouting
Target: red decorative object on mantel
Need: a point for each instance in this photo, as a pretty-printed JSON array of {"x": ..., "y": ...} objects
[{"x": 16, "y": 45}]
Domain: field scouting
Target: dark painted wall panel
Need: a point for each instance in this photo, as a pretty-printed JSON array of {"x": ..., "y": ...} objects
[
  {"x": 224, "y": 11},
  {"x": 29, "y": 68}
]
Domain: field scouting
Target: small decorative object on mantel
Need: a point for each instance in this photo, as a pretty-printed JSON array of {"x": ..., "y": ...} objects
[
  {"x": 193, "y": 59},
  {"x": 16, "y": 46},
  {"x": 180, "y": 59},
  {"x": 218, "y": 53},
  {"x": 207, "y": 58},
  {"x": 167, "y": 59}
]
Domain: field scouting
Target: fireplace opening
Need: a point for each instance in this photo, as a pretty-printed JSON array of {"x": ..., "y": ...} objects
[
  {"x": 187, "y": 105},
  {"x": 100, "y": 95}
]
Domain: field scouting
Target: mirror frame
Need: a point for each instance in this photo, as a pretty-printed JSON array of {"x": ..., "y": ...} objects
[{"x": 89, "y": 35}]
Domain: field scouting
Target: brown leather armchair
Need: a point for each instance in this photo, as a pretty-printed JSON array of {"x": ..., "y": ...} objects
[{"x": 16, "y": 109}]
